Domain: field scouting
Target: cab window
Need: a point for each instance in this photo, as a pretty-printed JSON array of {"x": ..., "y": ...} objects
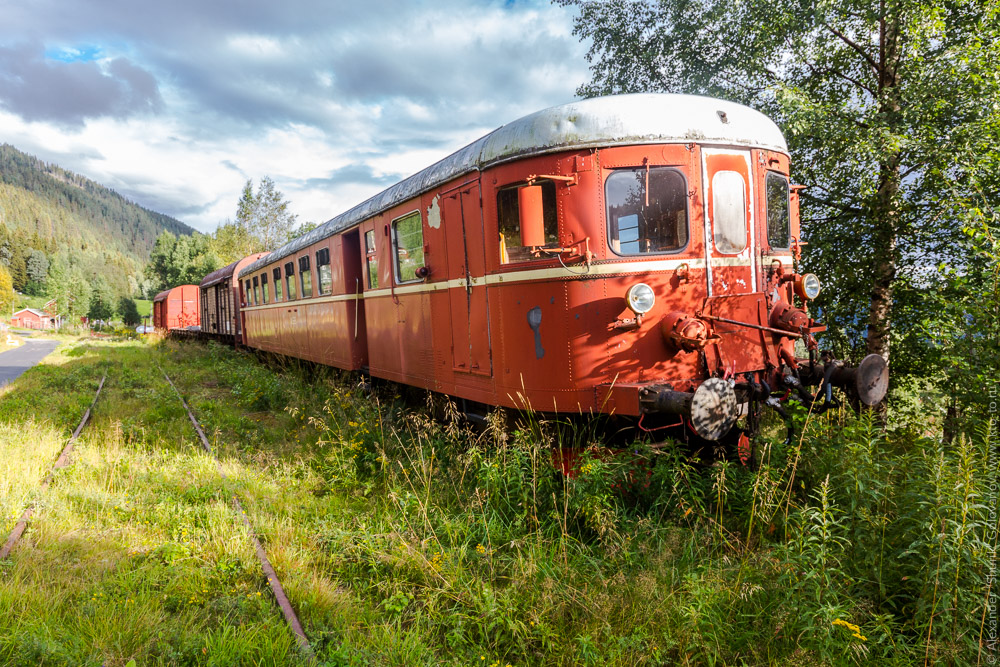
[
  {"x": 509, "y": 223},
  {"x": 778, "y": 225},
  {"x": 408, "y": 242},
  {"x": 729, "y": 206},
  {"x": 647, "y": 210}
]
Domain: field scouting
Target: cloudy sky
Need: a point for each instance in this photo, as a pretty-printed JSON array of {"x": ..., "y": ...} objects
[{"x": 176, "y": 104}]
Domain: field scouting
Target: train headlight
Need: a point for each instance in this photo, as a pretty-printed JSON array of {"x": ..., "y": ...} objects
[
  {"x": 640, "y": 298},
  {"x": 807, "y": 286}
]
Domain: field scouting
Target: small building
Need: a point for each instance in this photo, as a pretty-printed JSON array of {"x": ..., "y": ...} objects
[{"x": 29, "y": 318}]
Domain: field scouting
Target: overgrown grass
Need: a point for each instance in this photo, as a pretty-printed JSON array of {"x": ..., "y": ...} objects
[{"x": 407, "y": 540}]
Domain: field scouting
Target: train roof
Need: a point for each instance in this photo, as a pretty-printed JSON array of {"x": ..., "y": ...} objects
[
  {"x": 219, "y": 275},
  {"x": 166, "y": 293},
  {"x": 618, "y": 120}
]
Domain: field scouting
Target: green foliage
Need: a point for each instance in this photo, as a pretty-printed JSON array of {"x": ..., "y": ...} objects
[
  {"x": 892, "y": 113},
  {"x": 37, "y": 266},
  {"x": 128, "y": 312},
  {"x": 102, "y": 304},
  {"x": 183, "y": 260},
  {"x": 68, "y": 287},
  {"x": 262, "y": 224},
  {"x": 6, "y": 292}
]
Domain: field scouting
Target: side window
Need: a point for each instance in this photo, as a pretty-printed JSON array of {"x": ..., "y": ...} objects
[
  {"x": 647, "y": 210},
  {"x": 290, "y": 280},
  {"x": 305, "y": 277},
  {"x": 248, "y": 294},
  {"x": 263, "y": 287},
  {"x": 508, "y": 221},
  {"x": 323, "y": 271},
  {"x": 408, "y": 242},
  {"x": 778, "y": 225},
  {"x": 256, "y": 291},
  {"x": 730, "y": 207},
  {"x": 371, "y": 260},
  {"x": 277, "y": 284}
]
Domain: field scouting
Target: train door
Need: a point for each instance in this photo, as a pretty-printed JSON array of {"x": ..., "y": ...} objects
[
  {"x": 354, "y": 285},
  {"x": 461, "y": 212},
  {"x": 729, "y": 223},
  {"x": 731, "y": 257}
]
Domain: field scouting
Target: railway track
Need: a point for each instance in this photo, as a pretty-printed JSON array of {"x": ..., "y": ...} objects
[
  {"x": 272, "y": 577},
  {"x": 64, "y": 460},
  {"x": 61, "y": 462}
]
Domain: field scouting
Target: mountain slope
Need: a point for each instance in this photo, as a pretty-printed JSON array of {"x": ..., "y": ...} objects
[
  {"x": 75, "y": 223},
  {"x": 94, "y": 207}
]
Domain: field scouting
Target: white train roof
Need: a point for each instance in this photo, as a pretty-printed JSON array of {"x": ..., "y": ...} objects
[{"x": 618, "y": 120}]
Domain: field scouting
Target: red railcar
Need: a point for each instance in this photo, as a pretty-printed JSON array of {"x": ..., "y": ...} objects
[
  {"x": 220, "y": 301},
  {"x": 176, "y": 308},
  {"x": 630, "y": 254}
]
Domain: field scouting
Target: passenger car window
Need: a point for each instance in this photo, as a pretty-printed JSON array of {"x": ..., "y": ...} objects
[
  {"x": 290, "y": 280},
  {"x": 729, "y": 204},
  {"x": 408, "y": 241},
  {"x": 305, "y": 277},
  {"x": 256, "y": 291},
  {"x": 277, "y": 284},
  {"x": 323, "y": 271},
  {"x": 248, "y": 293},
  {"x": 371, "y": 259},
  {"x": 647, "y": 210},
  {"x": 778, "y": 225},
  {"x": 263, "y": 287},
  {"x": 509, "y": 223}
]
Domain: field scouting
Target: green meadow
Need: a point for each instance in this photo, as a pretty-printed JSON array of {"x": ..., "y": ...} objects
[{"x": 407, "y": 539}]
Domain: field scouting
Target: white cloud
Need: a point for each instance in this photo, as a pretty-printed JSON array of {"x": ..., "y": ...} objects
[{"x": 332, "y": 102}]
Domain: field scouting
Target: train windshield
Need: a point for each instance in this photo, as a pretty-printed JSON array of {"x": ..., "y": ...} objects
[
  {"x": 647, "y": 210},
  {"x": 778, "y": 234}
]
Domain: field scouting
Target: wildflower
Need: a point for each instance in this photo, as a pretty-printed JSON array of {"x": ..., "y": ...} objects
[{"x": 481, "y": 549}]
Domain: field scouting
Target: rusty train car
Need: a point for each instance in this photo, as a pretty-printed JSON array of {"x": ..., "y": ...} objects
[
  {"x": 220, "y": 301},
  {"x": 176, "y": 308},
  {"x": 632, "y": 255}
]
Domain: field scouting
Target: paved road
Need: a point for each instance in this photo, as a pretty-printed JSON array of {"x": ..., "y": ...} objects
[{"x": 16, "y": 361}]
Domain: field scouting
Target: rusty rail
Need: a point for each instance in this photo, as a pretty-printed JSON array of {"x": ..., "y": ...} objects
[
  {"x": 272, "y": 577},
  {"x": 61, "y": 462}
]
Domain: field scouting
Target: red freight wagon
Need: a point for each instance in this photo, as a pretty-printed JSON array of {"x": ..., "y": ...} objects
[
  {"x": 176, "y": 308},
  {"x": 631, "y": 254},
  {"x": 220, "y": 301}
]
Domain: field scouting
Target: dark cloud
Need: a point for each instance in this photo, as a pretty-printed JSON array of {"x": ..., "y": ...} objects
[
  {"x": 70, "y": 92},
  {"x": 352, "y": 174}
]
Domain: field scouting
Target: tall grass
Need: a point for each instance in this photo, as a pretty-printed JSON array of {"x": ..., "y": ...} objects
[{"x": 405, "y": 539}]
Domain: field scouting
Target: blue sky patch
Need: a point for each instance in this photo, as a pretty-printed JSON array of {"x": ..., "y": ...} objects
[{"x": 80, "y": 54}]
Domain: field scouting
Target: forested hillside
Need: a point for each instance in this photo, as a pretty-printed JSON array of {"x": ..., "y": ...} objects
[{"x": 57, "y": 225}]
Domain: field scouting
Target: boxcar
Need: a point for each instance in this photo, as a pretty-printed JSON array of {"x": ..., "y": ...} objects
[
  {"x": 631, "y": 254},
  {"x": 220, "y": 302},
  {"x": 176, "y": 308}
]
